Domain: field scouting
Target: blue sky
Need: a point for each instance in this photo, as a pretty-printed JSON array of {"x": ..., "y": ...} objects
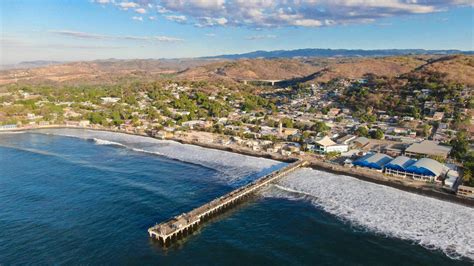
[{"x": 99, "y": 29}]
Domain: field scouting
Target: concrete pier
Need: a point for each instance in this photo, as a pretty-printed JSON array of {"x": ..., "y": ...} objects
[{"x": 183, "y": 224}]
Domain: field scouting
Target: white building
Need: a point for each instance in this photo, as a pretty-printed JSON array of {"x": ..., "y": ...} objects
[
  {"x": 110, "y": 99},
  {"x": 326, "y": 145}
]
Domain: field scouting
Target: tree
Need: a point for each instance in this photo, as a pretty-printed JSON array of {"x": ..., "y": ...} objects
[
  {"x": 96, "y": 118},
  {"x": 320, "y": 127},
  {"x": 426, "y": 130},
  {"x": 287, "y": 122},
  {"x": 362, "y": 132},
  {"x": 377, "y": 134},
  {"x": 460, "y": 145}
]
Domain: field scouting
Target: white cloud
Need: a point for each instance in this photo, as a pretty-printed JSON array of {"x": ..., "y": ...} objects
[
  {"x": 210, "y": 34},
  {"x": 209, "y": 22},
  {"x": 140, "y": 10},
  {"x": 304, "y": 13},
  {"x": 281, "y": 13},
  {"x": 137, "y": 18},
  {"x": 127, "y": 5},
  {"x": 152, "y": 18},
  {"x": 175, "y": 18},
  {"x": 162, "y": 10}
]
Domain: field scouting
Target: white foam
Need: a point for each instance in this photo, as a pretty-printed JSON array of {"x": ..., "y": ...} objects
[
  {"x": 106, "y": 142},
  {"x": 234, "y": 167},
  {"x": 429, "y": 222}
]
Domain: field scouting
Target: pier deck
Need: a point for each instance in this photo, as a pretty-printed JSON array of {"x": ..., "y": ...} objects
[{"x": 183, "y": 224}]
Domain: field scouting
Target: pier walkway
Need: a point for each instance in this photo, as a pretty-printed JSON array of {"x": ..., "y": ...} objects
[{"x": 183, "y": 224}]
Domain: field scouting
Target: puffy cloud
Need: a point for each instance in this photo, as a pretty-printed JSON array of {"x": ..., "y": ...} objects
[
  {"x": 305, "y": 13},
  {"x": 209, "y": 22},
  {"x": 175, "y": 18},
  {"x": 278, "y": 13},
  {"x": 162, "y": 10},
  {"x": 140, "y": 10},
  {"x": 137, "y": 18},
  {"x": 127, "y": 5},
  {"x": 94, "y": 36}
]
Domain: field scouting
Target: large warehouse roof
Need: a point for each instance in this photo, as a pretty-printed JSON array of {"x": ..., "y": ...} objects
[
  {"x": 401, "y": 163},
  {"x": 426, "y": 166},
  {"x": 373, "y": 160},
  {"x": 428, "y": 147}
]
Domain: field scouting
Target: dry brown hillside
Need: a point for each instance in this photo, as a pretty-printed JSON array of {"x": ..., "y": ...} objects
[
  {"x": 251, "y": 69},
  {"x": 97, "y": 71},
  {"x": 357, "y": 68},
  {"x": 458, "y": 68}
]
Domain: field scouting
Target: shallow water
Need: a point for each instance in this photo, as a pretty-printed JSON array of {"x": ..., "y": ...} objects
[{"x": 77, "y": 200}]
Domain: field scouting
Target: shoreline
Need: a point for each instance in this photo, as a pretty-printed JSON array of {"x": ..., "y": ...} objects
[{"x": 364, "y": 175}]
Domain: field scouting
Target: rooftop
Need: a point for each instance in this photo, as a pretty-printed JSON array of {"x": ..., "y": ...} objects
[
  {"x": 428, "y": 147},
  {"x": 326, "y": 142}
]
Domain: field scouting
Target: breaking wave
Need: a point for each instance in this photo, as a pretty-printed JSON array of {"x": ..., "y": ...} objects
[
  {"x": 106, "y": 142},
  {"x": 431, "y": 223},
  {"x": 235, "y": 169}
]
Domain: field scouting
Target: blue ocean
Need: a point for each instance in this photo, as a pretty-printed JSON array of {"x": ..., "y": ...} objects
[{"x": 84, "y": 197}]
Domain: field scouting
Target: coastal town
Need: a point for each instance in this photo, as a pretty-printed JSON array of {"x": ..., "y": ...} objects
[{"x": 420, "y": 136}]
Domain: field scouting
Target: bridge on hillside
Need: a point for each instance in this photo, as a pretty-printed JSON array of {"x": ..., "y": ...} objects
[
  {"x": 181, "y": 225},
  {"x": 261, "y": 81}
]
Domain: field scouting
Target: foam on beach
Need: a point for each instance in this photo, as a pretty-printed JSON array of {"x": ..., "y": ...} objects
[
  {"x": 431, "y": 223},
  {"x": 234, "y": 168}
]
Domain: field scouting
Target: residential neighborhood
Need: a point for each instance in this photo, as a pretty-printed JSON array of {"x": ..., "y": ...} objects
[{"x": 315, "y": 120}]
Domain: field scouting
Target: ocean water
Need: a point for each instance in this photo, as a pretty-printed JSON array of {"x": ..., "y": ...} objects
[{"x": 85, "y": 197}]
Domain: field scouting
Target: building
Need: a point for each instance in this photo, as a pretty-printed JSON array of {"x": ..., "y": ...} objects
[
  {"x": 361, "y": 142},
  {"x": 425, "y": 169},
  {"x": 398, "y": 166},
  {"x": 375, "y": 161},
  {"x": 10, "y": 126},
  {"x": 466, "y": 191},
  {"x": 346, "y": 139},
  {"x": 84, "y": 123},
  {"x": 196, "y": 124},
  {"x": 326, "y": 145},
  {"x": 428, "y": 148},
  {"x": 438, "y": 116},
  {"x": 107, "y": 100}
]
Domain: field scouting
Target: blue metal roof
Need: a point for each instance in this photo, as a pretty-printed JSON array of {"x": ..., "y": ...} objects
[
  {"x": 373, "y": 160},
  {"x": 426, "y": 166},
  {"x": 401, "y": 163}
]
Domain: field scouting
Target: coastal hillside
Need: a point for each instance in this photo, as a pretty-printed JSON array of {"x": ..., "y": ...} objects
[
  {"x": 251, "y": 69},
  {"x": 98, "y": 71},
  {"x": 357, "y": 68},
  {"x": 457, "y": 68}
]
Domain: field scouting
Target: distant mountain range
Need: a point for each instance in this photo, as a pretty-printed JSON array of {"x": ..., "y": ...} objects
[
  {"x": 298, "y": 53},
  {"x": 336, "y": 53}
]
